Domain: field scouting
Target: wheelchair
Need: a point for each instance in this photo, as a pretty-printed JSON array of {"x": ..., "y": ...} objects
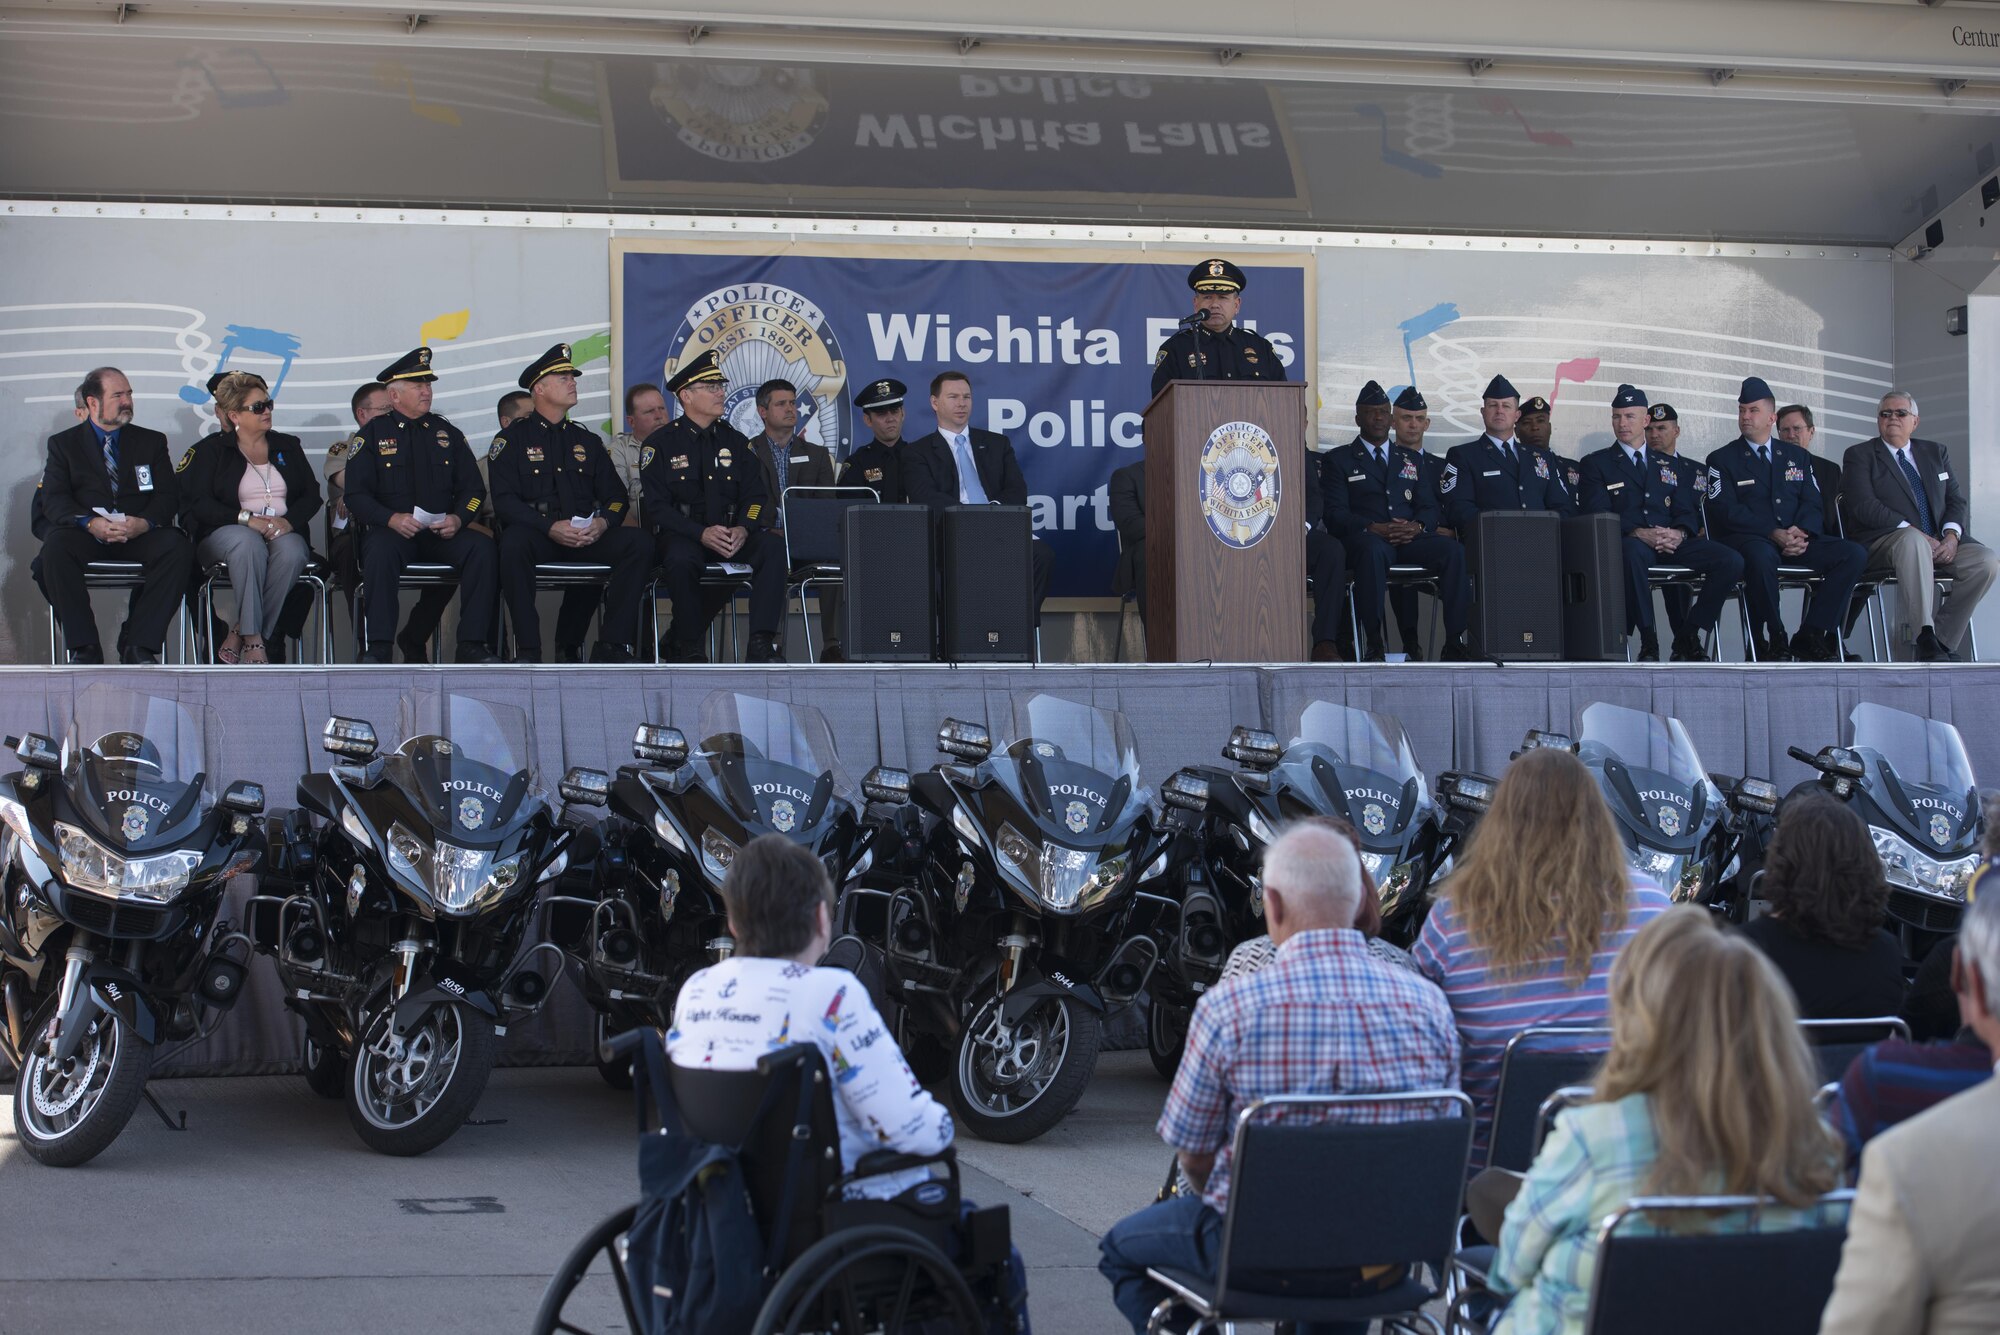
[{"x": 913, "y": 1263}]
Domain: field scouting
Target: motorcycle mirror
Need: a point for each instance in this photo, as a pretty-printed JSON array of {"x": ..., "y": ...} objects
[
  {"x": 1187, "y": 790},
  {"x": 589, "y": 787},
  {"x": 1537, "y": 740},
  {"x": 890, "y": 787},
  {"x": 349, "y": 737},
  {"x": 245, "y": 797},
  {"x": 660, "y": 744},
  {"x": 1467, "y": 792},
  {"x": 1252, "y": 748},
  {"x": 1839, "y": 761},
  {"x": 38, "y": 751},
  {"x": 1758, "y": 795},
  {"x": 967, "y": 741}
]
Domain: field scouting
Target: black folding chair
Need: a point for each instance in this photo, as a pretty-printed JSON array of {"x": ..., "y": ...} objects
[
  {"x": 1537, "y": 1063},
  {"x": 816, "y": 543},
  {"x": 1836, "y": 1043},
  {"x": 416, "y": 575},
  {"x": 314, "y": 579},
  {"x": 118, "y": 575},
  {"x": 555, "y": 575},
  {"x": 1417, "y": 578},
  {"x": 1395, "y": 1188}
]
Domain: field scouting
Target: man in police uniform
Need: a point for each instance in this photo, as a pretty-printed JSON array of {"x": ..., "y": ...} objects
[
  {"x": 1410, "y": 417},
  {"x": 1663, "y": 436},
  {"x": 547, "y": 472},
  {"x": 108, "y": 494},
  {"x": 705, "y": 501},
  {"x": 1499, "y": 470},
  {"x": 1659, "y": 512},
  {"x": 879, "y": 463},
  {"x": 1536, "y": 429},
  {"x": 1212, "y": 347},
  {"x": 1379, "y": 503},
  {"x": 1763, "y": 502},
  {"x": 411, "y": 459}
]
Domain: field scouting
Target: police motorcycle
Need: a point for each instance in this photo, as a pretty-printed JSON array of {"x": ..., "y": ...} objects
[
  {"x": 1909, "y": 778},
  {"x": 400, "y": 901},
  {"x": 1683, "y": 827},
  {"x": 1338, "y": 761},
  {"x": 117, "y": 853},
  {"x": 679, "y": 817},
  {"x": 1004, "y": 917}
]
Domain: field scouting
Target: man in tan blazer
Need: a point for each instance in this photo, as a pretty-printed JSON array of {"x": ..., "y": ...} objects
[{"x": 1920, "y": 1252}]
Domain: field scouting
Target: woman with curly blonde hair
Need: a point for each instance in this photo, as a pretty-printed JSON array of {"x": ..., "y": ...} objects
[{"x": 1525, "y": 929}]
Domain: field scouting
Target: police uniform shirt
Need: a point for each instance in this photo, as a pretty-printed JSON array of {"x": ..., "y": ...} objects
[
  {"x": 877, "y": 466},
  {"x": 625, "y": 450},
  {"x": 402, "y": 465},
  {"x": 543, "y": 472},
  {"x": 692, "y": 477},
  {"x": 1234, "y": 354}
]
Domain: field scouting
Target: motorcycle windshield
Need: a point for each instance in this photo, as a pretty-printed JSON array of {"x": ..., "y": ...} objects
[
  {"x": 467, "y": 763},
  {"x": 1361, "y": 762},
  {"x": 773, "y": 763},
  {"x": 1917, "y": 771},
  {"x": 1650, "y": 772},
  {"x": 134, "y": 764},
  {"x": 1075, "y": 767}
]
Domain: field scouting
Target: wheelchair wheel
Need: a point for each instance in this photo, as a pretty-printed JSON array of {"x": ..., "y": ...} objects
[
  {"x": 876, "y": 1278},
  {"x": 608, "y": 1240}
]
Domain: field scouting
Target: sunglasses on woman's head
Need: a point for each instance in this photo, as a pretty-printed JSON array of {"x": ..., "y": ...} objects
[{"x": 260, "y": 406}]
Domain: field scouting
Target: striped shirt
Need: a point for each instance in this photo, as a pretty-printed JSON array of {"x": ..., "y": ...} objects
[
  {"x": 1325, "y": 1016},
  {"x": 1491, "y": 1007},
  {"x": 1895, "y": 1080}
]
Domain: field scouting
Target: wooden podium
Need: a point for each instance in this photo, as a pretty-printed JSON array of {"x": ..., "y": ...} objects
[{"x": 1226, "y": 522}]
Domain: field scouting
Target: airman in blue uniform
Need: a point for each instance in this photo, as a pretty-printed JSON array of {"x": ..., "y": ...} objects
[{"x": 1498, "y": 471}]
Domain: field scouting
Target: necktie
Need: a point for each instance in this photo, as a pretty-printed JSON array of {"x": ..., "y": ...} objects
[
  {"x": 111, "y": 461},
  {"x": 969, "y": 489},
  {"x": 1910, "y": 476},
  {"x": 779, "y": 460},
  {"x": 1382, "y": 458}
]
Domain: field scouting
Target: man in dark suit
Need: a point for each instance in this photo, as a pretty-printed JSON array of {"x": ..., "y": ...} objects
[
  {"x": 1764, "y": 503},
  {"x": 1659, "y": 512},
  {"x": 1126, "y": 492},
  {"x": 958, "y": 464},
  {"x": 1378, "y": 502},
  {"x": 789, "y": 460},
  {"x": 1410, "y": 417},
  {"x": 108, "y": 494},
  {"x": 1903, "y": 501},
  {"x": 1499, "y": 471}
]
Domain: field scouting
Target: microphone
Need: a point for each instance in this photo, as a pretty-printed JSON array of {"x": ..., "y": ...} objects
[{"x": 1199, "y": 317}]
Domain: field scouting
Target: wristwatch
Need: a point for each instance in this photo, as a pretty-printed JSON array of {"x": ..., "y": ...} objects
[{"x": 242, "y": 516}]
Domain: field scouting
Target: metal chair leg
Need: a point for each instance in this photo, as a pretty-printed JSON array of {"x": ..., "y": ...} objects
[{"x": 1749, "y": 640}]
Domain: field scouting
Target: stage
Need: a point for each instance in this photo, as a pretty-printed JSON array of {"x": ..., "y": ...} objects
[{"x": 1458, "y": 716}]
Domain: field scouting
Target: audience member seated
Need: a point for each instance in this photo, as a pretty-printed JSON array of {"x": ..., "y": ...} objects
[
  {"x": 1524, "y": 931},
  {"x": 1919, "y": 1253},
  {"x": 780, "y": 906},
  {"x": 1827, "y": 899},
  {"x": 1707, "y": 1090},
  {"x": 248, "y": 494},
  {"x": 1253, "y": 954},
  {"x": 1326, "y": 1016}
]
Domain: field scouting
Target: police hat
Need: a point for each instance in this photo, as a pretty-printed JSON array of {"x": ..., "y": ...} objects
[
  {"x": 554, "y": 360},
  {"x": 880, "y": 395},
  {"x": 1538, "y": 404},
  {"x": 1663, "y": 412},
  {"x": 1629, "y": 396},
  {"x": 1372, "y": 395},
  {"x": 697, "y": 371},
  {"x": 1499, "y": 387},
  {"x": 1410, "y": 401},
  {"x": 412, "y": 365},
  {"x": 1754, "y": 389},
  {"x": 1217, "y": 276},
  {"x": 215, "y": 380}
]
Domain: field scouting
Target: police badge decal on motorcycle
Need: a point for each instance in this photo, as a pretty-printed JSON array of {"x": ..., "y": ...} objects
[
  {"x": 1077, "y": 816},
  {"x": 134, "y": 825},
  {"x": 1940, "y": 828},
  {"x": 1670, "y": 821},
  {"x": 784, "y": 815},
  {"x": 471, "y": 813},
  {"x": 1374, "y": 819}
]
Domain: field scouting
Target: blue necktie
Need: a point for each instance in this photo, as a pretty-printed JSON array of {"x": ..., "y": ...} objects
[
  {"x": 968, "y": 472},
  {"x": 779, "y": 462},
  {"x": 111, "y": 461},
  {"x": 1917, "y": 489}
]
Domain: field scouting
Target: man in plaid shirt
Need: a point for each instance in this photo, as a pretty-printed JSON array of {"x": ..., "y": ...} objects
[{"x": 1326, "y": 1016}]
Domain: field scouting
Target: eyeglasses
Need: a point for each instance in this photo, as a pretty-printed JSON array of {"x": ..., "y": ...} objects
[
  {"x": 261, "y": 406},
  {"x": 1897, "y": 413}
]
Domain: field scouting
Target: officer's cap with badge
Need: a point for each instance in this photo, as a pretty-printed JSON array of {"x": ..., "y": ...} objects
[
  {"x": 1500, "y": 387},
  {"x": 1372, "y": 395},
  {"x": 554, "y": 360},
  {"x": 1217, "y": 276},
  {"x": 698, "y": 371},
  {"x": 1410, "y": 401},
  {"x": 1755, "y": 389},
  {"x": 1629, "y": 396},
  {"x": 1538, "y": 404},
  {"x": 412, "y": 365},
  {"x": 881, "y": 395},
  {"x": 215, "y": 380},
  {"x": 1663, "y": 412}
]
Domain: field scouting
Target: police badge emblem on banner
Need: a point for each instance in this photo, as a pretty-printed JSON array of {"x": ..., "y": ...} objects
[{"x": 1239, "y": 483}]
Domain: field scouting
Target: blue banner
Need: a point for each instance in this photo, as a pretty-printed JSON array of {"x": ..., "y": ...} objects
[{"x": 1060, "y": 355}]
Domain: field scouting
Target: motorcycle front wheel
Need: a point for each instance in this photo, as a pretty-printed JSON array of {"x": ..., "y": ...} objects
[
  {"x": 408, "y": 1095},
  {"x": 1011, "y": 1085},
  {"x": 325, "y": 1072},
  {"x": 1166, "y": 1036},
  {"x": 616, "y": 1070},
  {"x": 67, "y": 1115}
]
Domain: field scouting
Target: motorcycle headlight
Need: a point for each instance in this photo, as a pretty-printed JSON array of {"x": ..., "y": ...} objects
[
  {"x": 352, "y": 826},
  {"x": 968, "y": 829},
  {"x": 867, "y": 861},
  {"x": 1157, "y": 867},
  {"x": 1261, "y": 827},
  {"x": 1063, "y": 878},
  {"x": 465, "y": 879},
  {"x": 1376, "y": 863},
  {"x": 407, "y": 853},
  {"x": 15, "y": 816},
  {"x": 718, "y": 852},
  {"x": 1664, "y": 868},
  {"x": 664, "y": 831},
  {"x": 89, "y": 865},
  {"x": 1909, "y": 867}
]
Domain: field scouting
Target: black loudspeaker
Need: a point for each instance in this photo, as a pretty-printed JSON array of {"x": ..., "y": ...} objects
[
  {"x": 1517, "y": 611},
  {"x": 889, "y": 613},
  {"x": 1593, "y": 589},
  {"x": 988, "y": 573}
]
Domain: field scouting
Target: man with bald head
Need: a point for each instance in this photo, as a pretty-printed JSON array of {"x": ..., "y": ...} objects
[{"x": 1325, "y": 1016}]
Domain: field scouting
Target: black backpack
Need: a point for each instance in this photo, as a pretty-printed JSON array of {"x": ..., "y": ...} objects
[{"x": 695, "y": 1257}]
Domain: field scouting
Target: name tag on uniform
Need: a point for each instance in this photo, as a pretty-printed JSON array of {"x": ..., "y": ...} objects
[
  {"x": 678, "y": 461},
  {"x": 385, "y": 449},
  {"x": 802, "y": 458},
  {"x": 534, "y": 454},
  {"x": 1491, "y": 472},
  {"x": 1358, "y": 477},
  {"x": 1614, "y": 486},
  {"x": 1944, "y": 477},
  {"x": 145, "y": 477},
  {"x": 1746, "y": 482}
]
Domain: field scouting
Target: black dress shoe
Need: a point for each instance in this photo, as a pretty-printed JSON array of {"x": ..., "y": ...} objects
[
  {"x": 571, "y": 653},
  {"x": 1688, "y": 649},
  {"x": 1814, "y": 646},
  {"x": 1375, "y": 653},
  {"x": 1649, "y": 646},
  {"x": 415, "y": 649},
  {"x": 135, "y": 657},
  {"x": 472, "y": 651},
  {"x": 833, "y": 653},
  {"x": 1930, "y": 649},
  {"x": 674, "y": 653},
  {"x": 764, "y": 648},
  {"x": 1457, "y": 651},
  {"x": 87, "y": 654},
  {"x": 1326, "y": 651},
  {"x": 527, "y": 656},
  {"x": 378, "y": 651},
  {"x": 1413, "y": 650},
  {"x": 612, "y": 653}
]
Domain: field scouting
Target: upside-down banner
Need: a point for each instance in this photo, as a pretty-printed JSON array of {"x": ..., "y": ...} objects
[{"x": 1059, "y": 351}]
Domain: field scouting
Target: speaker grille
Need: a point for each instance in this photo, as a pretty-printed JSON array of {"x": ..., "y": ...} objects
[
  {"x": 889, "y": 612},
  {"x": 1516, "y": 558},
  {"x": 1593, "y": 574},
  {"x": 988, "y": 570}
]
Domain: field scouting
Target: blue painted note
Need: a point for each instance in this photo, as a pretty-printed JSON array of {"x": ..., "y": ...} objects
[
  {"x": 1395, "y": 157},
  {"x": 1422, "y": 326},
  {"x": 270, "y": 342},
  {"x": 267, "y": 91}
]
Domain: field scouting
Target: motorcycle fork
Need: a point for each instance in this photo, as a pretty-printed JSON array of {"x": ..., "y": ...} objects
[
  {"x": 75, "y": 961},
  {"x": 1013, "y": 949}
]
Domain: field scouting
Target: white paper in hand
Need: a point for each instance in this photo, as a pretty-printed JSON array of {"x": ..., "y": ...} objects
[
  {"x": 580, "y": 522},
  {"x": 735, "y": 568},
  {"x": 425, "y": 517},
  {"x": 113, "y": 515}
]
